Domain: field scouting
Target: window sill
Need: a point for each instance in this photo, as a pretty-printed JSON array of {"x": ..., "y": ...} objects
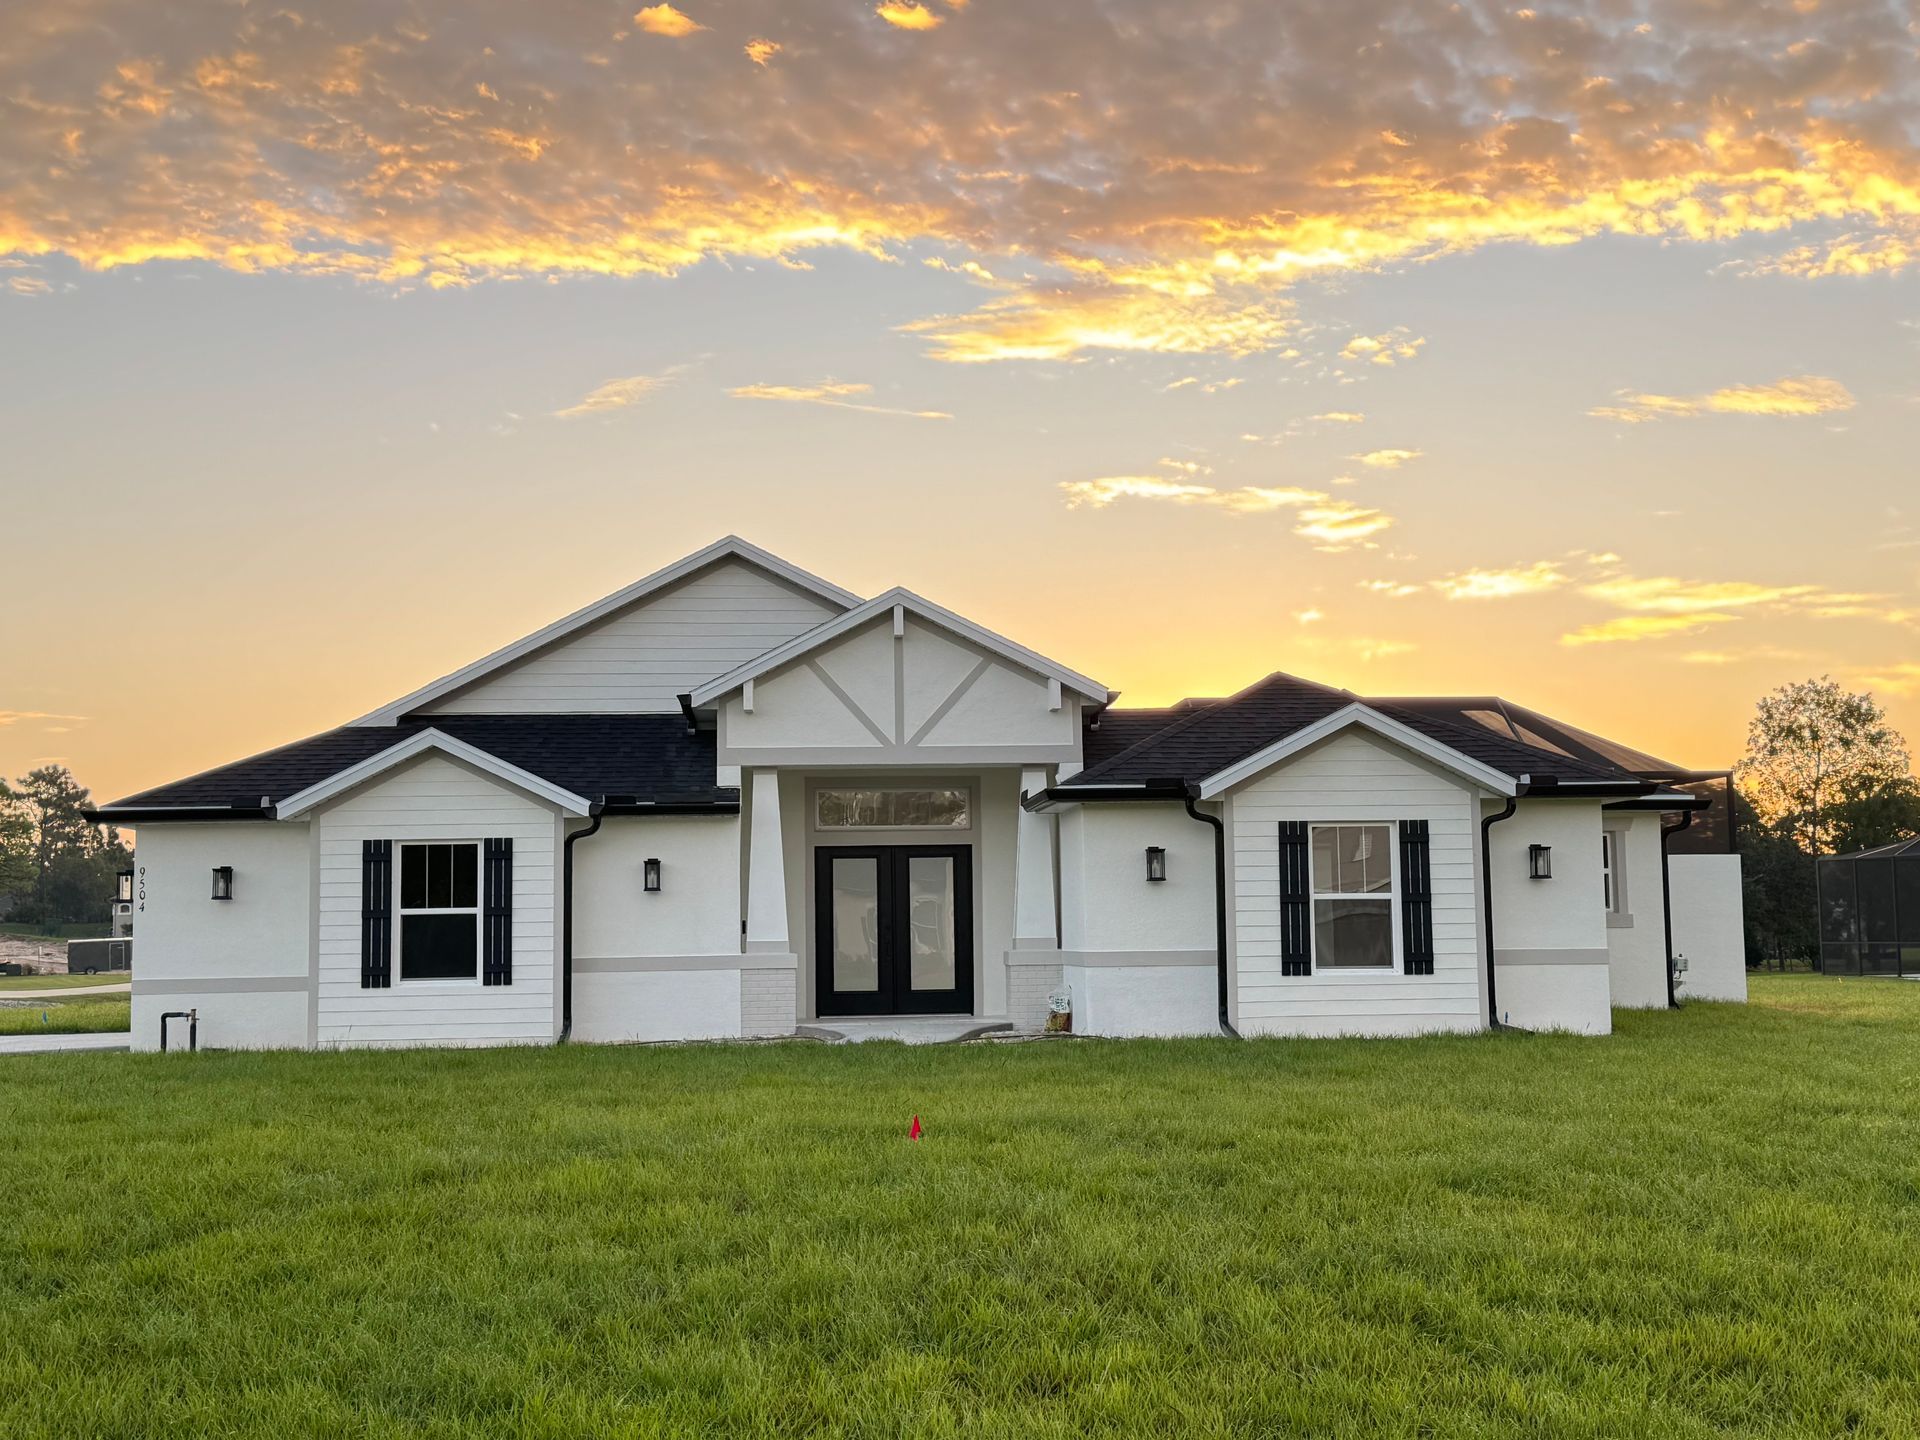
[{"x": 1619, "y": 922}]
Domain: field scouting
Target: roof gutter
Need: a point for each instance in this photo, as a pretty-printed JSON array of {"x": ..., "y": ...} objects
[
  {"x": 1487, "y": 822},
  {"x": 596, "y": 812},
  {"x": 1219, "y": 904},
  {"x": 1056, "y": 797},
  {"x": 138, "y": 814},
  {"x": 1667, "y": 832}
]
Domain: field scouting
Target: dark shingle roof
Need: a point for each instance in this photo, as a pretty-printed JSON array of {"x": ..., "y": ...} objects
[
  {"x": 1191, "y": 744},
  {"x": 651, "y": 757},
  {"x": 1203, "y": 741}
]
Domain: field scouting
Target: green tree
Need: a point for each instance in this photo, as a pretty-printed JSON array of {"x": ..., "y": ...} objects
[
  {"x": 62, "y": 843},
  {"x": 18, "y": 871},
  {"x": 1822, "y": 763},
  {"x": 1777, "y": 878}
]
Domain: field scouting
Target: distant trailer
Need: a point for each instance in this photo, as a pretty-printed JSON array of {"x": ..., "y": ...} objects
[{"x": 91, "y": 957}]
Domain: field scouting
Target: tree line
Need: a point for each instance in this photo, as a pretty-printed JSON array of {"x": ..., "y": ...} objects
[
  {"x": 1824, "y": 774},
  {"x": 56, "y": 866}
]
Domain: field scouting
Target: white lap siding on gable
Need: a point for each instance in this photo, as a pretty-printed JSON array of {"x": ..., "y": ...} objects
[
  {"x": 438, "y": 799},
  {"x": 1354, "y": 778},
  {"x": 643, "y": 658}
]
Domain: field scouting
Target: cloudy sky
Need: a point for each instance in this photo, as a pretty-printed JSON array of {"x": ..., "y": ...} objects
[{"x": 1564, "y": 350}]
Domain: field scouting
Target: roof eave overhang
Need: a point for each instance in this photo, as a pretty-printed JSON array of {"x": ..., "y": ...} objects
[
  {"x": 1058, "y": 797},
  {"x": 155, "y": 814}
]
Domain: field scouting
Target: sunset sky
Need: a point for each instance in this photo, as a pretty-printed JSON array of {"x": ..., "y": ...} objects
[{"x": 1564, "y": 351}]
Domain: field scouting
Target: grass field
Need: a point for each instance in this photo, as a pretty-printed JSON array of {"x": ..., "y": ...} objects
[
  {"x": 1705, "y": 1226},
  {"x": 11, "y": 983},
  {"x": 71, "y": 1015},
  {"x": 78, "y": 930}
]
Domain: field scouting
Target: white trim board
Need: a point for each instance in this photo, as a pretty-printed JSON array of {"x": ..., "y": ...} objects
[
  {"x": 1357, "y": 714},
  {"x": 902, "y": 602},
  {"x": 419, "y": 744},
  {"x": 731, "y": 547}
]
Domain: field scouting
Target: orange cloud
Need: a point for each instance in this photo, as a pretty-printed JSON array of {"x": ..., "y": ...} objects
[
  {"x": 1795, "y": 395},
  {"x": 1532, "y": 579},
  {"x": 665, "y": 20},
  {"x": 1247, "y": 500},
  {"x": 837, "y": 394},
  {"x": 907, "y": 15},
  {"x": 761, "y": 51},
  {"x": 256, "y": 139}
]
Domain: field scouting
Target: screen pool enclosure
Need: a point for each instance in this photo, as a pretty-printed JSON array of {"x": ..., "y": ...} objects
[{"x": 1870, "y": 911}]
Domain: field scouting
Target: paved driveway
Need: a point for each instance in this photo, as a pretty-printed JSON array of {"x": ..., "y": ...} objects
[{"x": 49, "y": 1044}]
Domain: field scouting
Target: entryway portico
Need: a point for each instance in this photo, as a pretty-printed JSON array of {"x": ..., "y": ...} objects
[{"x": 881, "y": 760}]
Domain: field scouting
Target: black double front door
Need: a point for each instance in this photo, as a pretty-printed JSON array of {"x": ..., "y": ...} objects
[{"x": 893, "y": 929}]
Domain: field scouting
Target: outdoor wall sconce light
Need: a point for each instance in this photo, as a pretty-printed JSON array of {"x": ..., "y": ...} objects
[
  {"x": 1539, "y": 862},
  {"x": 1156, "y": 862},
  {"x": 123, "y": 886},
  {"x": 223, "y": 882},
  {"x": 650, "y": 873}
]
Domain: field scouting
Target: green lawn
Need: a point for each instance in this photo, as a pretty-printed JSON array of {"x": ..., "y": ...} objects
[
  {"x": 77, "y": 1015},
  {"x": 1706, "y": 1225},
  {"x": 10, "y": 983}
]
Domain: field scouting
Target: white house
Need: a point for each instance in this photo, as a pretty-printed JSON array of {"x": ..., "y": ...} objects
[{"x": 734, "y": 799}]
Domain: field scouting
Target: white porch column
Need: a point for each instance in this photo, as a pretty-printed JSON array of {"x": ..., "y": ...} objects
[
  {"x": 1033, "y": 964},
  {"x": 1034, "y": 917},
  {"x": 766, "y": 868}
]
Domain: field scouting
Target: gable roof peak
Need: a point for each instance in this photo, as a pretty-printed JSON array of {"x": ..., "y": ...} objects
[{"x": 728, "y": 547}]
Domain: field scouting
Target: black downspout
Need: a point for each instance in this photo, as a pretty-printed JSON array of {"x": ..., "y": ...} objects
[
  {"x": 1219, "y": 906},
  {"x": 1487, "y": 822},
  {"x": 1667, "y": 832},
  {"x": 597, "y": 812}
]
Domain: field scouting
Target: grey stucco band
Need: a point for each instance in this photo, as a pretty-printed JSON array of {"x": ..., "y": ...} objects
[
  {"x": 654, "y": 964},
  {"x": 226, "y": 985},
  {"x": 1125, "y": 959},
  {"x": 1550, "y": 957}
]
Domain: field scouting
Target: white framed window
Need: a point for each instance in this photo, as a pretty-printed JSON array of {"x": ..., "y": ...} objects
[
  {"x": 922, "y": 807},
  {"x": 1354, "y": 893},
  {"x": 439, "y": 910},
  {"x": 1613, "y": 875}
]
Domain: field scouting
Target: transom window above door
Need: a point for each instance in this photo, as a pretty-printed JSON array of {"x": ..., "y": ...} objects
[
  {"x": 439, "y": 911},
  {"x": 1353, "y": 897},
  {"x": 891, "y": 808}
]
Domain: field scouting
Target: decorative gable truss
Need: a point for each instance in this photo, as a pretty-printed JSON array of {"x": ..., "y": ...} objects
[{"x": 899, "y": 680}]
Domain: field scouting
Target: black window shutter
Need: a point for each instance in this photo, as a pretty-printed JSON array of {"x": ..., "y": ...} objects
[
  {"x": 496, "y": 967},
  {"x": 1296, "y": 928},
  {"x": 1416, "y": 899},
  {"x": 376, "y": 914}
]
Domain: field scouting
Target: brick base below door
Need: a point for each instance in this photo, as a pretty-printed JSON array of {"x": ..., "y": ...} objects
[
  {"x": 1029, "y": 989},
  {"x": 769, "y": 1002}
]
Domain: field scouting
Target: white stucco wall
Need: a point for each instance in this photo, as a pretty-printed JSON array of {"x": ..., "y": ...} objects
[
  {"x": 1551, "y": 935},
  {"x": 1354, "y": 777},
  {"x": 683, "y": 1004},
  {"x": 1570, "y": 998},
  {"x": 1106, "y": 901},
  {"x": 1637, "y": 942},
  {"x": 243, "y": 963},
  {"x": 1143, "y": 999},
  {"x": 695, "y": 912},
  {"x": 1709, "y": 920},
  {"x": 439, "y": 799},
  {"x": 664, "y": 966}
]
